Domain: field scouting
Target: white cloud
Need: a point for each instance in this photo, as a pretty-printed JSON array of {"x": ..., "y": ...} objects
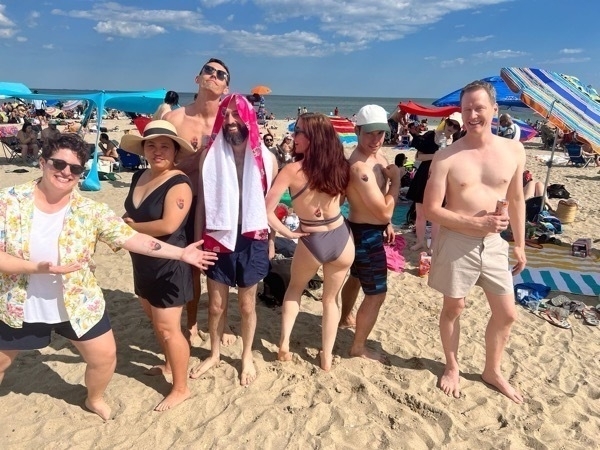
[
  {"x": 259, "y": 27},
  {"x": 21, "y": 39},
  {"x": 32, "y": 19},
  {"x": 500, "y": 54},
  {"x": 295, "y": 43},
  {"x": 568, "y": 60},
  {"x": 48, "y": 46},
  {"x": 230, "y": 17},
  {"x": 5, "y": 22},
  {"x": 570, "y": 51},
  {"x": 475, "y": 38},
  {"x": 213, "y": 3},
  {"x": 430, "y": 58},
  {"x": 7, "y": 33},
  {"x": 128, "y": 29},
  {"x": 452, "y": 62}
]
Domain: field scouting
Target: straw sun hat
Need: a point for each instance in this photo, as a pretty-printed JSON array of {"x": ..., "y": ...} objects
[{"x": 153, "y": 130}]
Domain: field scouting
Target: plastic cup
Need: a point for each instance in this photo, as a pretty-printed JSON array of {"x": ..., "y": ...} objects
[{"x": 533, "y": 305}]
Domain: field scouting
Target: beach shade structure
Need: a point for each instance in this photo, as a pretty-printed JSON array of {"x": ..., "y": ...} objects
[
  {"x": 13, "y": 90},
  {"x": 411, "y": 107},
  {"x": 504, "y": 95},
  {"x": 527, "y": 131},
  {"x": 260, "y": 90},
  {"x": 344, "y": 128}
]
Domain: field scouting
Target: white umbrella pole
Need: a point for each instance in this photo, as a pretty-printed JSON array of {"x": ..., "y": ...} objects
[{"x": 550, "y": 162}]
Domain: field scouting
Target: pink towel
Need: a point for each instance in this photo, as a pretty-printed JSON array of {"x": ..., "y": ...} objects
[{"x": 393, "y": 253}]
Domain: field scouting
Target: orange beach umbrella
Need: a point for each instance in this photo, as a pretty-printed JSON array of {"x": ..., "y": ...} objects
[{"x": 260, "y": 90}]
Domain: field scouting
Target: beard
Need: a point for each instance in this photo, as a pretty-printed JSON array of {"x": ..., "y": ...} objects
[{"x": 236, "y": 137}]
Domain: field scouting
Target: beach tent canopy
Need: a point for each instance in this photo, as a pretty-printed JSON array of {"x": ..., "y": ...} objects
[
  {"x": 411, "y": 107},
  {"x": 18, "y": 89},
  {"x": 144, "y": 102},
  {"x": 504, "y": 95}
]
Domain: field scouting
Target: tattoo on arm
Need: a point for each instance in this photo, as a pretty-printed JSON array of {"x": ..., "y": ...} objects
[
  {"x": 180, "y": 203},
  {"x": 154, "y": 246},
  {"x": 364, "y": 177}
]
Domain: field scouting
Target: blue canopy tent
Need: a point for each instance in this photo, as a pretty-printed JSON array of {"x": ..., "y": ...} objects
[
  {"x": 18, "y": 89},
  {"x": 504, "y": 96},
  {"x": 144, "y": 102}
]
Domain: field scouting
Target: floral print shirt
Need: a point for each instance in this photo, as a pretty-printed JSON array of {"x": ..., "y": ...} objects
[{"x": 86, "y": 223}]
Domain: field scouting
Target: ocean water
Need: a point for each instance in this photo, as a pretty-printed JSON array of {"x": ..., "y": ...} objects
[{"x": 286, "y": 106}]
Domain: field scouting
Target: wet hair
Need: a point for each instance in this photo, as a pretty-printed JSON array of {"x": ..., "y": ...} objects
[
  {"x": 68, "y": 141},
  {"x": 104, "y": 136},
  {"x": 218, "y": 61},
  {"x": 324, "y": 163},
  {"x": 479, "y": 84},
  {"x": 171, "y": 98}
]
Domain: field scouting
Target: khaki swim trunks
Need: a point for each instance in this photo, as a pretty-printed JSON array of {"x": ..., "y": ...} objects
[{"x": 460, "y": 262}]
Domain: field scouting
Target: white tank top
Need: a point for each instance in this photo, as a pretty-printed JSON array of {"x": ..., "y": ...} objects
[{"x": 45, "y": 301}]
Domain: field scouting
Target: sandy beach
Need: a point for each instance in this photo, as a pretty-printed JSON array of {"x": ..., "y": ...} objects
[{"x": 359, "y": 404}]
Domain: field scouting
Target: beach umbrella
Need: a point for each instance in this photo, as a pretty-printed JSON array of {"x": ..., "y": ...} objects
[
  {"x": 260, "y": 90},
  {"x": 343, "y": 127},
  {"x": 527, "y": 131},
  {"x": 504, "y": 95},
  {"x": 560, "y": 101}
]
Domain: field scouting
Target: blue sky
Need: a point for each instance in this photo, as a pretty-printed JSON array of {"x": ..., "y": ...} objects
[{"x": 380, "y": 48}]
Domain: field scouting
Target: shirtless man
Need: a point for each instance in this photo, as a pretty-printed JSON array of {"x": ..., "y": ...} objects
[
  {"x": 472, "y": 174},
  {"x": 194, "y": 123},
  {"x": 372, "y": 193}
]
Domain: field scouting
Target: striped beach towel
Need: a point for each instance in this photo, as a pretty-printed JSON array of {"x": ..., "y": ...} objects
[{"x": 554, "y": 267}]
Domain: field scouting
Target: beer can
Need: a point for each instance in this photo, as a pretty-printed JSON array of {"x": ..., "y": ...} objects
[{"x": 502, "y": 207}]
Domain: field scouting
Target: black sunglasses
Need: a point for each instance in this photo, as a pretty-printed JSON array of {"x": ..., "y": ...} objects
[
  {"x": 299, "y": 131},
  {"x": 210, "y": 70},
  {"x": 59, "y": 164},
  {"x": 268, "y": 140}
]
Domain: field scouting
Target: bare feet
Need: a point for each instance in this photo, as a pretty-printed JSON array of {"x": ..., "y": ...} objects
[
  {"x": 248, "y": 374},
  {"x": 200, "y": 369},
  {"x": 363, "y": 352},
  {"x": 284, "y": 355},
  {"x": 500, "y": 383},
  {"x": 193, "y": 337},
  {"x": 348, "y": 322},
  {"x": 228, "y": 337},
  {"x": 99, "y": 407},
  {"x": 173, "y": 399},
  {"x": 450, "y": 382},
  {"x": 158, "y": 370},
  {"x": 326, "y": 361}
]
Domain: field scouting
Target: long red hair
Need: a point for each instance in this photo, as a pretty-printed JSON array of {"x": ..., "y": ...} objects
[{"x": 324, "y": 163}]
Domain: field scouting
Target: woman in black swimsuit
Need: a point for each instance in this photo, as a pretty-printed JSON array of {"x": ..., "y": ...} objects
[
  {"x": 158, "y": 204},
  {"x": 317, "y": 181}
]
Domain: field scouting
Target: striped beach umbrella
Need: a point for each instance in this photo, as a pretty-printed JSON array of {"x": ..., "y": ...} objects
[{"x": 554, "y": 96}]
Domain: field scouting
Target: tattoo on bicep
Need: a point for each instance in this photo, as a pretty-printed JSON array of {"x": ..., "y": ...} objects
[
  {"x": 154, "y": 246},
  {"x": 180, "y": 203},
  {"x": 364, "y": 177}
]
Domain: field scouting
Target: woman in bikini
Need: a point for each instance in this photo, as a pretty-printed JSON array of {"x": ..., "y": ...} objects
[{"x": 317, "y": 182}]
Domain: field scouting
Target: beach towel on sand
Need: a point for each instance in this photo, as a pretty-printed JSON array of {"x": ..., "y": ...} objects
[{"x": 221, "y": 191}]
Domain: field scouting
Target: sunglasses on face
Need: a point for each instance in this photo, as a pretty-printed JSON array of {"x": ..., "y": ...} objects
[
  {"x": 299, "y": 131},
  {"x": 210, "y": 70},
  {"x": 60, "y": 164},
  {"x": 268, "y": 140}
]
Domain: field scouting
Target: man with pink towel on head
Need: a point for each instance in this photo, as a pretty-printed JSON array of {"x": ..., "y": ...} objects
[{"x": 237, "y": 170}]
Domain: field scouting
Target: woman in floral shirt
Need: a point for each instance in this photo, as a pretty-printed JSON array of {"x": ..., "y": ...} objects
[{"x": 48, "y": 234}]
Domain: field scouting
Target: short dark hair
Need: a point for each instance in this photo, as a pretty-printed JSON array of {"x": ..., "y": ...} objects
[
  {"x": 104, "y": 136},
  {"x": 218, "y": 61},
  {"x": 69, "y": 141},
  {"x": 479, "y": 84},
  {"x": 171, "y": 98}
]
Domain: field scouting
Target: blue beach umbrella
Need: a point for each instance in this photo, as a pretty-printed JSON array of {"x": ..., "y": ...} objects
[{"x": 504, "y": 95}]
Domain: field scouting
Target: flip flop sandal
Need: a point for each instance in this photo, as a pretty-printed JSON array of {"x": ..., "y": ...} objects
[
  {"x": 590, "y": 317},
  {"x": 560, "y": 300},
  {"x": 550, "y": 316},
  {"x": 533, "y": 244},
  {"x": 576, "y": 306}
]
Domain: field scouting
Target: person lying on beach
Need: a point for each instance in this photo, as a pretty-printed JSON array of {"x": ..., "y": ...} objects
[
  {"x": 158, "y": 204},
  {"x": 317, "y": 181},
  {"x": 237, "y": 170},
  {"x": 469, "y": 177},
  {"x": 372, "y": 194},
  {"x": 52, "y": 231}
]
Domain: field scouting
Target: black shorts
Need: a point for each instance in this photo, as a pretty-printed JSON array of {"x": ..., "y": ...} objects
[
  {"x": 34, "y": 336},
  {"x": 40, "y": 112},
  {"x": 190, "y": 223},
  {"x": 244, "y": 267}
]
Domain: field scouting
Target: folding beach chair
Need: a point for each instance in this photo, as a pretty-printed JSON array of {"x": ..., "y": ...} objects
[
  {"x": 576, "y": 156},
  {"x": 11, "y": 148},
  {"x": 130, "y": 161}
]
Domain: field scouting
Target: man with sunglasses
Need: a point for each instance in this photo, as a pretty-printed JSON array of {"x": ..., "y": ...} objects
[{"x": 194, "y": 123}]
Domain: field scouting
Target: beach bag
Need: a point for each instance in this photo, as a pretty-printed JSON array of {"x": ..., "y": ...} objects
[
  {"x": 278, "y": 279},
  {"x": 557, "y": 191},
  {"x": 528, "y": 292}
]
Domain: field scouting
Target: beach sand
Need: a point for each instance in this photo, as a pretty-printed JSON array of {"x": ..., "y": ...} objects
[{"x": 357, "y": 405}]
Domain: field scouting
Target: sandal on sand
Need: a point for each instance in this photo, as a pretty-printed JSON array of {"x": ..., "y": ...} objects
[
  {"x": 552, "y": 317},
  {"x": 560, "y": 300},
  {"x": 590, "y": 317},
  {"x": 533, "y": 244}
]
